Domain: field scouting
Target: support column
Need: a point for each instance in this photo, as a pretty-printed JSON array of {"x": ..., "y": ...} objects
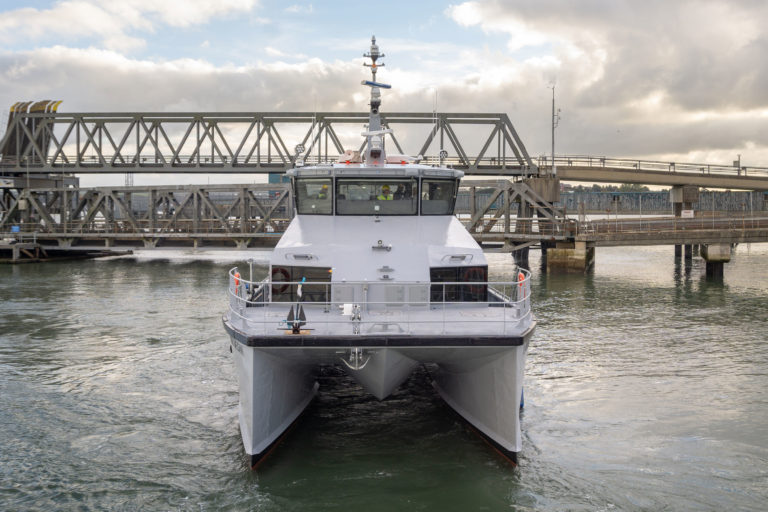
[
  {"x": 682, "y": 198},
  {"x": 152, "y": 209},
  {"x": 716, "y": 255},
  {"x": 571, "y": 256},
  {"x": 507, "y": 208},
  {"x": 196, "y": 213},
  {"x": 472, "y": 202}
]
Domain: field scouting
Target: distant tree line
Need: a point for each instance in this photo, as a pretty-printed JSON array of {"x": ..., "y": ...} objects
[{"x": 624, "y": 187}]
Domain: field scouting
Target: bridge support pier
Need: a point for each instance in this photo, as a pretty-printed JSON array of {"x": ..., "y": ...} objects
[
  {"x": 150, "y": 243},
  {"x": 682, "y": 198},
  {"x": 716, "y": 255},
  {"x": 521, "y": 258},
  {"x": 571, "y": 257}
]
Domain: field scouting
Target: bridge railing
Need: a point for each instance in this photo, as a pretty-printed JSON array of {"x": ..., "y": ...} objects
[
  {"x": 650, "y": 165},
  {"x": 558, "y": 228},
  {"x": 673, "y": 224}
]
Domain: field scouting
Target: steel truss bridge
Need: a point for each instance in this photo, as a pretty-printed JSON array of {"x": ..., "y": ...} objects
[
  {"x": 248, "y": 142},
  {"x": 42, "y": 152},
  {"x": 44, "y": 143},
  {"x": 508, "y": 216}
]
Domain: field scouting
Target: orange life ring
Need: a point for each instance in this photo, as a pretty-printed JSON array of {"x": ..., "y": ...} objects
[
  {"x": 469, "y": 275},
  {"x": 286, "y": 277},
  {"x": 237, "y": 279},
  {"x": 521, "y": 284}
]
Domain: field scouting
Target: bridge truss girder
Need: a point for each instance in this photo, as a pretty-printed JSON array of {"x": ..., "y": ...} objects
[
  {"x": 258, "y": 142},
  {"x": 242, "y": 214},
  {"x": 227, "y": 214}
]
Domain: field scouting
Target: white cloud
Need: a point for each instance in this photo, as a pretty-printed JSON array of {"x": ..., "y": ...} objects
[
  {"x": 299, "y": 9},
  {"x": 112, "y": 22},
  {"x": 274, "y": 52},
  {"x": 520, "y": 34},
  {"x": 655, "y": 79}
]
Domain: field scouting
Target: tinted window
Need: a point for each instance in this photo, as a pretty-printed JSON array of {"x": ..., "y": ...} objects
[
  {"x": 459, "y": 292},
  {"x": 438, "y": 196},
  {"x": 313, "y": 196},
  {"x": 309, "y": 292},
  {"x": 395, "y": 196}
]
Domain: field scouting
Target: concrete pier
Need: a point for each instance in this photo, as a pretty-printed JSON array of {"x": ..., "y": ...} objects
[
  {"x": 521, "y": 257},
  {"x": 716, "y": 255},
  {"x": 682, "y": 199},
  {"x": 571, "y": 257}
]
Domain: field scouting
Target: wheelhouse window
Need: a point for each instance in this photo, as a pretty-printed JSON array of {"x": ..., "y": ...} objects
[
  {"x": 438, "y": 197},
  {"x": 390, "y": 196},
  {"x": 313, "y": 196}
]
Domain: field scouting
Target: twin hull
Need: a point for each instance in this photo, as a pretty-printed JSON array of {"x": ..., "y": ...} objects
[{"x": 482, "y": 384}]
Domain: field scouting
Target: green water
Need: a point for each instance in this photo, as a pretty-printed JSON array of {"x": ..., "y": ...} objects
[{"x": 645, "y": 390}]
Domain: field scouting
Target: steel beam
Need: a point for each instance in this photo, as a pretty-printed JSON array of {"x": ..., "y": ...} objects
[{"x": 262, "y": 141}]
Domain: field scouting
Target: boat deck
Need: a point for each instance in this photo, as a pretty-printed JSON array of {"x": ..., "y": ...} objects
[{"x": 500, "y": 319}]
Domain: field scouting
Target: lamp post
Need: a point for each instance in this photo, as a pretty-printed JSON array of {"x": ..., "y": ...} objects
[{"x": 555, "y": 121}]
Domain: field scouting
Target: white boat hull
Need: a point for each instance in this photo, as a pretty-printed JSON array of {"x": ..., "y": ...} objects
[
  {"x": 481, "y": 383},
  {"x": 488, "y": 395},
  {"x": 274, "y": 391}
]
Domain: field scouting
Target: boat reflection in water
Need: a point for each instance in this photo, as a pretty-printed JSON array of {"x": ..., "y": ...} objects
[{"x": 375, "y": 273}]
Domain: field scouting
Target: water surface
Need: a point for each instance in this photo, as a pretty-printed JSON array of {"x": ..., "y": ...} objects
[{"x": 645, "y": 390}]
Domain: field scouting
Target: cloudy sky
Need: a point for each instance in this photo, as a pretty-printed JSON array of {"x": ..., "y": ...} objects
[{"x": 682, "y": 80}]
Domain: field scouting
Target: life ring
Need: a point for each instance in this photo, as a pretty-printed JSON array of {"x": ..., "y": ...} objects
[
  {"x": 286, "y": 277},
  {"x": 471, "y": 275},
  {"x": 237, "y": 279},
  {"x": 521, "y": 284}
]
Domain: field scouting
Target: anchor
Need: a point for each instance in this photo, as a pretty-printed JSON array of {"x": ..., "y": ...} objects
[
  {"x": 357, "y": 359},
  {"x": 296, "y": 317}
]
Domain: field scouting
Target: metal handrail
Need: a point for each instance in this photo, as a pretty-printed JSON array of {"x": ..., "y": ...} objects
[
  {"x": 652, "y": 165},
  {"x": 517, "y": 299},
  {"x": 281, "y": 161}
]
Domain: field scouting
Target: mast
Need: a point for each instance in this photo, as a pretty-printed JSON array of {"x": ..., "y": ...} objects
[{"x": 374, "y": 153}]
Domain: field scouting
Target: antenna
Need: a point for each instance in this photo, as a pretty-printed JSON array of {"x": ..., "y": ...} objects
[
  {"x": 374, "y": 55},
  {"x": 374, "y": 153}
]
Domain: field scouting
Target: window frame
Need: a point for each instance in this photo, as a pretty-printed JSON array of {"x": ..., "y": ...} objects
[
  {"x": 452, "y": 201},
  {"x": 416, "y": 183},
  {"x": 297, "y": 203}
]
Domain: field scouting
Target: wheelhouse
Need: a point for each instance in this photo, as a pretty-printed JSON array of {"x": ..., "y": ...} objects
[{"x": 390, "y": 190}]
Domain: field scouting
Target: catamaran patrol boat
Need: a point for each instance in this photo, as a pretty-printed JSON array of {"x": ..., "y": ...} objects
[{"x": 376, "y": 274}]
